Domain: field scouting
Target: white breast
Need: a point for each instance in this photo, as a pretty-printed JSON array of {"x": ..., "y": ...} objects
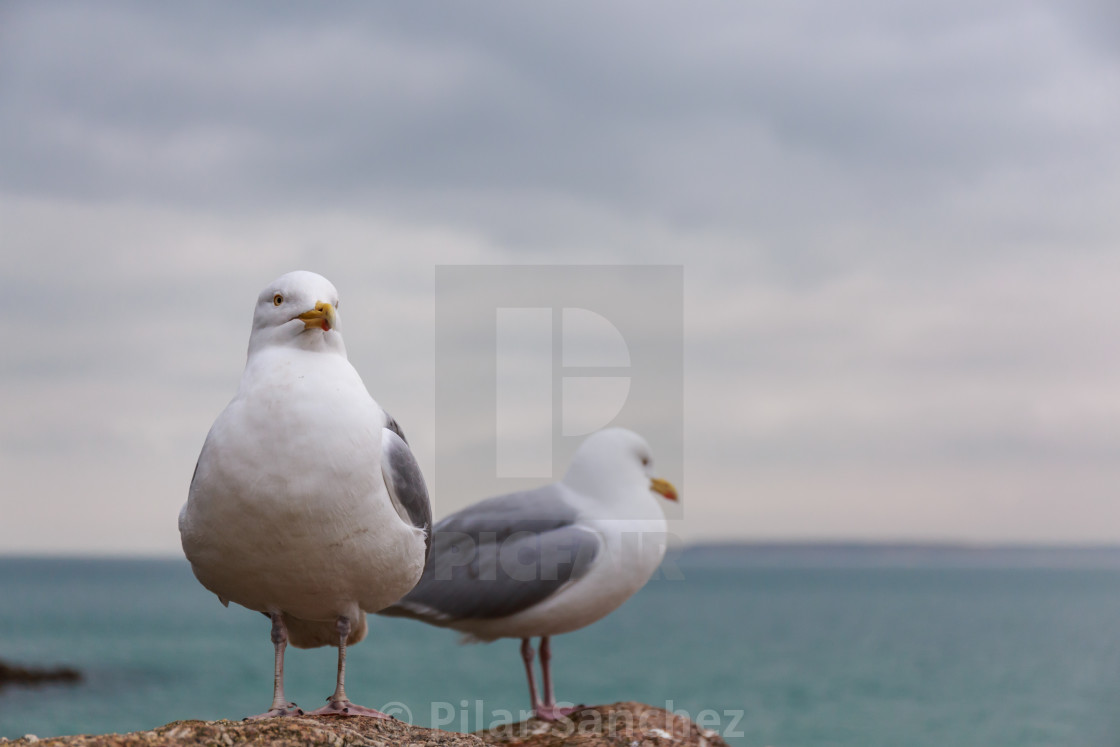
[{"x": 287, "y": 510}]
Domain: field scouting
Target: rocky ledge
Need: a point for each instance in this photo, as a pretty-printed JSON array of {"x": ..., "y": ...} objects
[{"x": 617, "y": 725}]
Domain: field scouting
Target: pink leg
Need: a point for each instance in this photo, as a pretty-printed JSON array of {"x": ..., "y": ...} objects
[
  {"x": 338, "y": 704},
  {"x": 548, "y": 710},
  {"x": 280, "y": 704},
  {"x": 527, "y": 657}
]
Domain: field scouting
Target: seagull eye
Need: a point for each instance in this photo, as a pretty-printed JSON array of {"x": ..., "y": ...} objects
[
  {"x": 645, "y": 461},
  {"x": 277, "y": 300}
]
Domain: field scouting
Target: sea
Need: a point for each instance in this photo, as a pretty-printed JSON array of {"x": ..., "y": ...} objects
[{"x": 766, "y": 645}]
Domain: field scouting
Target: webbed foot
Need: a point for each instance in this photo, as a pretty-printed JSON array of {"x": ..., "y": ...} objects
[
  {"x": 346, "y": 708},
  {"x": 289, "y": 710},
  {"x": 554, "y": 712}
]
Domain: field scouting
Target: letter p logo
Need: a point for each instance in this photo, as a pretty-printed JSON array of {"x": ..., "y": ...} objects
[{"x": 531, "y": 359}]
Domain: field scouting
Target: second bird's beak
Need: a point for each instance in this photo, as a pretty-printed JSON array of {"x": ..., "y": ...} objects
[
  {"x": 664, "y": 487},
  {"x": 322, "y": 316}
]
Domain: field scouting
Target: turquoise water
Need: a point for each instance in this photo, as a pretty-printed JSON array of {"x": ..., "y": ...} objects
[{"x": 767, "y": 656}]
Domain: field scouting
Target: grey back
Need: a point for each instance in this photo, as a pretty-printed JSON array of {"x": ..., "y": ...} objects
[{"x": 499, "y": 557}]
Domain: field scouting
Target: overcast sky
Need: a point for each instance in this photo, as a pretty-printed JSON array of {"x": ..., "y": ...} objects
[{"x": 899, "y": 227}]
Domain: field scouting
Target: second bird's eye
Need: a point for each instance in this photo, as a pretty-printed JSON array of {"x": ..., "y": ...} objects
[{"x": 277, "y": 300}]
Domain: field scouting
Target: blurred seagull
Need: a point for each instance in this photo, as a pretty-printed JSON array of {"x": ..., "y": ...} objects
[
  {"x": 306, "y": 504},
  {"x": 550, "y": 560}
]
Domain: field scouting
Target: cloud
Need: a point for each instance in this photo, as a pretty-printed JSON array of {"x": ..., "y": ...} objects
[
  {"x": 897, "y": 227},
  {"x": 730, "y": 115}
]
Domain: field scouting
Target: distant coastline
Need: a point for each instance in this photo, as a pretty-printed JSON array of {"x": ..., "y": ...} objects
[
  {"x": 801, "y": 554},
  {"x": 855, "y": 554}
]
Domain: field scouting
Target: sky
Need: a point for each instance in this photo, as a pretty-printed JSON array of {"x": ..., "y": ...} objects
[{"x": 896, "y": 225}]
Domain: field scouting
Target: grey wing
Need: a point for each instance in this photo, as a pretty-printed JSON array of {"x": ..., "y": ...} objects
[
  {"x": 499, "y": 557},
  {"x": 392, "y": 424},
  {"x": 405, "y": 483}
]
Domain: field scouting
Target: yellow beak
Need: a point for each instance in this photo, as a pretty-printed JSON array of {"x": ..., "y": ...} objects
[
  {"x": 664, "y": 487},
  {"x": 322, "y": 316}
]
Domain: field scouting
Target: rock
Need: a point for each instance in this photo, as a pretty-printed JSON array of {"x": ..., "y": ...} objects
[
  {"x": 313, "y": 731},
  {"x": 13, "y": 675},
  {"x": 618, "y": 725}
]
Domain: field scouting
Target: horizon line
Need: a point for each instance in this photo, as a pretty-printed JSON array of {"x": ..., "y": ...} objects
[{"x": 788, "y": 544}]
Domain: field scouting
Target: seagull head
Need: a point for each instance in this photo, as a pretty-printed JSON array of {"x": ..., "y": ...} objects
[
  {"x": 612, "y": 462},
  {"x": 298, "y": 309}
]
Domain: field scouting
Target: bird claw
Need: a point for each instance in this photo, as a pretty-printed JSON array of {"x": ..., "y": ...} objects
[
  {"x": 346, "y": 708},
  {"x": 289, "y": 710},
  {"x": 554, "y": 713}
]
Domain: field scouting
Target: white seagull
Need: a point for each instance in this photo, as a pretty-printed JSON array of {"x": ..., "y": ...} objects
[
  {"x": 550, "y": 560},
  {"x": 306, "y": 504}
]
